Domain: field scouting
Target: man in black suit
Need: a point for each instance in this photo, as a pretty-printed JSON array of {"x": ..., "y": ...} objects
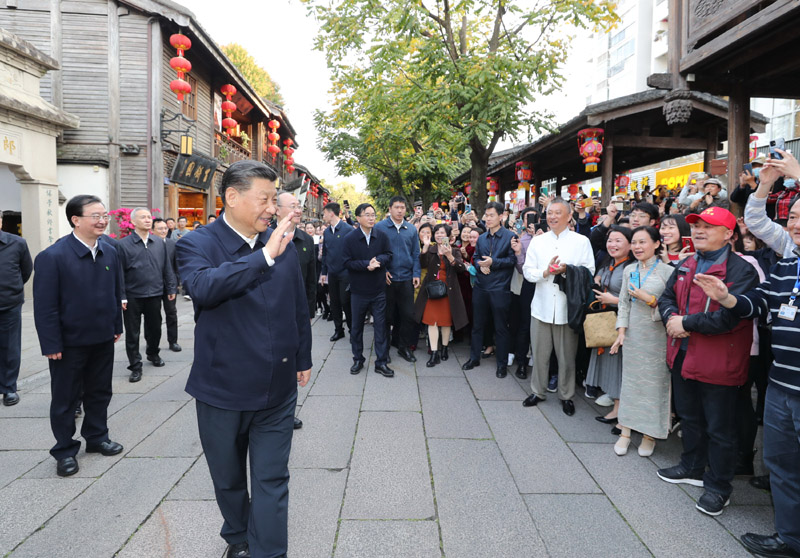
[
  {"x": 252, "y": 347},
  {"x": 333, "y": 272},
  {"x": 161, "y": 229},
  {"x": 15, "y": 270},
  {"x": 77, "y": 309},
  {"x": 366, "y": 254},
  {"x": 148, "y": 275}
]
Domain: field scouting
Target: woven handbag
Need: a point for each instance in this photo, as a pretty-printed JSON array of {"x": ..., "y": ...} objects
[{"x": 600, "y": 328}]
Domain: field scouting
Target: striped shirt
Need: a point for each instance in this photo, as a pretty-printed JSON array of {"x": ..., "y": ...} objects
[
  {"x": 766, "y": 299},
  {"x": 763, "y": 228}
]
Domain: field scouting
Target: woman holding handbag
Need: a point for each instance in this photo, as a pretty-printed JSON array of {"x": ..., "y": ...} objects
[
  {"x": 605, "y": 369},
  {"x": 645, "y": 394},
  {"x": 439, "y": 304}
]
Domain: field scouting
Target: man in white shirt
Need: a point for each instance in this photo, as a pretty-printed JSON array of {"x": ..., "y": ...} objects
[{"x": 548, "y": 255}]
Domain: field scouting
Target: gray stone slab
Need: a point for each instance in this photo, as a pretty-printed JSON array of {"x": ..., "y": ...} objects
[
  {"x": 487, "y": 386},
  {"x": 14, "y": 464},
  {"x": 389, "y": 473},
  {"x": 173, "y": 389},
  {"x": 40, "y": 499},
  {"x": 480, "y": 511},
  {"x": 31, "y": 405},
  {"x": 450, "y": 410},
  {"x": 302, "y": 392},
  {"x": 148, "y": 382},
  {"x": 399, "y": 394},
  {"x": 335, "y": 378},
  {"x": 451, "y": 367},
  {"x": 315, "y": 498},
  {"x": 581, "y": 427},
  {"x": 630, "y": 482},
  {"x": 388, "y": 539},
  {"x": 26, "y": 434},
  {"x": 739, "y": 520},
  {"x": 195, "y": 485},
  {"x": 537, "y": 457},
  {"x": 326, "y": 439},
  {"x": 119, "y": 401},
  {"x": 178, "y": 529},
  {"x": 177, "y": 437},
  {"x": 128, "y": 427},
  {"x": 583, "y": 525},
  {"x": 115, "y": 505}
]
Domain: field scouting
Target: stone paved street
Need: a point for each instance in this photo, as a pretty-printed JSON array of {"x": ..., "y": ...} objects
[{"x": 432, "y": 463}]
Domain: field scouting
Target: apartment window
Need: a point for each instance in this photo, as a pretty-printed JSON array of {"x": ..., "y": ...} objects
[
  {"x": 189, "y": 104},
  {"x": 617, "y": 38},
  {"x": 784, "y": 115},
  {"x": 623, "y": 52}
]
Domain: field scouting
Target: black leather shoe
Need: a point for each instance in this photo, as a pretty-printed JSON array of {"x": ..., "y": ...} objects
[
  {"x": 66, "y": 467},
  {"x": 768, "y": 545},
  {"x": 568, "y": 407},
  {"x": 470, "y": 364},
  {"x": 605, "y": 420},
  {"x": 238, "y": 550},
  {"x": 10, "y": 399},
  {"x": 106, "y": 448},
  {"x": 434, "y": 360},
  {"x": 298, "y": 424},
  {"x": 616, "y": 431},
  {"x": 157, "y": 361},
  {"x": 384, "y": 370},
  {"x": 337, "y": 335},
  {"x": 175, "y": 348},
  {"x": 502, "y": 371},
  {"x": 357, "y": 366},
  {"x": 532, "y": 401},
  {"x": 136, "y": 375},
  {"x": 443, "y": 354},
  {"x": 406, "y": 354},
  {"x": 761, "y": 482},
  {"x": 522, "y": 372}
]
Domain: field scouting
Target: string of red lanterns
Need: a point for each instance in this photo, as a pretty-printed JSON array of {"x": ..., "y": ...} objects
[
  {"x": 273, "y": 138},
  {"x": 228, "y": 123},
  {"x": 181, "y": 65},
  {"x": 287, "y": 153}
]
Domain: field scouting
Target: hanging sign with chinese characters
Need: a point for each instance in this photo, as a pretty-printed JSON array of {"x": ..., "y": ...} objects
[
  {"x": 194, "y": 170},
  {"x": 10, "y": 147}
]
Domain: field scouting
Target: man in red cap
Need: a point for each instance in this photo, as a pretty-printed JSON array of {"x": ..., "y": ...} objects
[{"x": 708, "y": 351}]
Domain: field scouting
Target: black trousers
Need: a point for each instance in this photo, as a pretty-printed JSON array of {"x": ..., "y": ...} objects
[
  {"x": 340, "y": 302},
  {"x": 10, "y": 348},
  {"x": 260, "y": 518},
  {"x": 519, "y": 322},
  {"x": 494, "y": 303},
  {"x": 377, "y": 306},
  {"x": 171, "y": 315},
  {"x": 150, "y": 308},
  {"x": 400, "y": 313},
  {"x": 708, "y": 422},
  {"x": 87, "y": 370}
]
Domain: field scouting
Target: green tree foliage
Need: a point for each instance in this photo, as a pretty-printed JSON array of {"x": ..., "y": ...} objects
[
  {"x": 454, "y": 75},
  {"x": 347, "y": 191},
  {"x": 255, "y": 74}
]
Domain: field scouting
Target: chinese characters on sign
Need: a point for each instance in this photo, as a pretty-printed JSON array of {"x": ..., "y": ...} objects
[
  {"x": 194, "y": 170},
  {"x": 9, "y": 145},
  {"x": 50, "y": 233}
]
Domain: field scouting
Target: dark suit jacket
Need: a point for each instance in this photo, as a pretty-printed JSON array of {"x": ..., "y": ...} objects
[
  {"x": 333, "y": 250},
  {"x": 252, "y": 332},
  {"x": 357, "y": 255},
  {"x": 172, "y": 260},
  {"x": 147, "y": 270},
  {"x": 77, "y": 301},
  {"x": 307, "y": 254},
  {"x": 16, "y": 267}
]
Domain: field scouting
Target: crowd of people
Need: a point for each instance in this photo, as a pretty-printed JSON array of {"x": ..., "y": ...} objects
[{"x": 666, "y": 309}]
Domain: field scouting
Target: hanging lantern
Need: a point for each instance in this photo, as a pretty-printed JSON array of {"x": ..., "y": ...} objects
[
  {"x": 523, "y": 171},
  {"x": 590, "y": 146},
  {"x": 573, "y": 190},
  {"x": 228, "y": 123},
  {"x": 467, "y": 188},
  {"x": 290, "y": 170},
  {"x": 273, "y": 150},
  {"x": 288, "y": 142},
  {"x": 182, "y": 66},
  {"x": 273, "y": 138},
  {"x": 288, "y": 151}
]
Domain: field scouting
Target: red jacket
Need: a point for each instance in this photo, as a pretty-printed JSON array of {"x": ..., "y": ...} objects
[{"x": 719, "y": 345}]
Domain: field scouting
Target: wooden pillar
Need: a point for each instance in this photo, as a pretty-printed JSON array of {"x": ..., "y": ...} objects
[
  {"x": 559, "y": 183},
  {"x": 114, "y": 164},
  {"x": 738, "y": 132},
  {"x": 172, "y": 201},
  {"x": 155, "y": 154},
  {"x": 56, "y": 51},
  {"x": 607, "y": 169},
  {"x": 711, "y": 149}
]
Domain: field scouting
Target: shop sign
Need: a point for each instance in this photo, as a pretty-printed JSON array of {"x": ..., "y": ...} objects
[
  {"x": 677, "y": 177},
  {"x": 194, "y": 170},
  {"x": 10, "y": 147}
]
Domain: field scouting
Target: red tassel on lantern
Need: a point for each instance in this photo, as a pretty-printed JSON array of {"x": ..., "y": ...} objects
[{"x": 182, "y": 66}]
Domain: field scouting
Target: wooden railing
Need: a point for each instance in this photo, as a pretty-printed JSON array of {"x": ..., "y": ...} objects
[{"x": 229, "y": 151}]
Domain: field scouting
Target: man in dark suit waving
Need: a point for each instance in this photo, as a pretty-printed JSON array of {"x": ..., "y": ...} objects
[{"x": 252, "y": 348}]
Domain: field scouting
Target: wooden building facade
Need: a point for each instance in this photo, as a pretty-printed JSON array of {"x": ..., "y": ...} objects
[{"x": 115, "y": 75}]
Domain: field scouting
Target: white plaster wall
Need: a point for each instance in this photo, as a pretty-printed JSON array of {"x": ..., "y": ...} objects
[
  {"x": 10, "y": 198},
  {"x": 74, "y": 180}
]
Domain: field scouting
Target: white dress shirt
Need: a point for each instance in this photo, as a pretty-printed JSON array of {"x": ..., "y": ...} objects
[
  {"x": 549, "y": 302},
  {"x": 250, "y": 242}
]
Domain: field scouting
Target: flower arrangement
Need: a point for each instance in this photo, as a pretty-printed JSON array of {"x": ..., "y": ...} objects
[{"x": 122, "y": 216}]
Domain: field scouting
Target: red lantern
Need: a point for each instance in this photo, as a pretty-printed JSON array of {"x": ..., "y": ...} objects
[
  {"x": 182, "y": 66},
  {"x": 288, "y": 142},
  {"x": 467, "y": 188},
  {"x": 228, "y": 107},
  {"x": 288, "y": 151},
  {"x": 273, "y": 150},
  {"x": 524, "y": 172},
  {"x": 590, "y": 146},
  {"x": 290, "y": 170},
  {"x": 288, "y": 162},
  {"x": 273, "y": 138}
]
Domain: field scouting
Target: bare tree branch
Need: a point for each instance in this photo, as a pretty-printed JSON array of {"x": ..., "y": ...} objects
[{"x": 498, "y": 20}]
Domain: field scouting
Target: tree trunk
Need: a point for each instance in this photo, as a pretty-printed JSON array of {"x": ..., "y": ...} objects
[{"x": 479, "y": 157}]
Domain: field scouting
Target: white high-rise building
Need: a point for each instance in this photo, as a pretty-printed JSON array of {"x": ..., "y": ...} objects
[{"x": 621, "y": 59}]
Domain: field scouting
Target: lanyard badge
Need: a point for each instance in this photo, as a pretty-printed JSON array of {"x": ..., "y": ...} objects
[{"x": 789, "y": 311}]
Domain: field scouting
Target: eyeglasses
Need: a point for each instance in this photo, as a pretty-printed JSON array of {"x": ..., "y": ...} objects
[
  {"x": 97, "y": 217},
  {"x": 368, "y": 215},
  {"x": 293, "y": 207}
]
